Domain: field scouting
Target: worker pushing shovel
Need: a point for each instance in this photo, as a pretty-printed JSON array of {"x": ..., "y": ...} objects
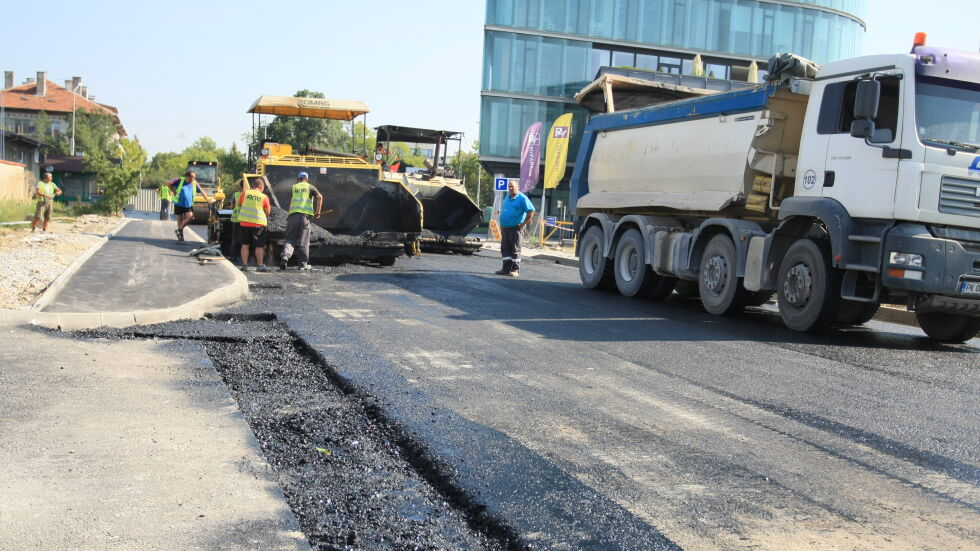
[{"x": 298, "y": 223}]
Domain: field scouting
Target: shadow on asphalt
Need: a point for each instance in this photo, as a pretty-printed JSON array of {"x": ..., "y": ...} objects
[{"x": 566, "y": 311}]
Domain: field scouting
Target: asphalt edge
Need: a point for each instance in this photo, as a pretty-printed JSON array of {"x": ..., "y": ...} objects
[{"x": 74, "y": 321}]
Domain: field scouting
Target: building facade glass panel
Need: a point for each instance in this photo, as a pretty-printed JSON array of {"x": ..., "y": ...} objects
[
  {"x": 737, "y": 27},
  {"x": 510, "y": 117}
]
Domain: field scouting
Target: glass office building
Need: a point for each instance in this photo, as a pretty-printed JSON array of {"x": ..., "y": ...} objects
[{"x": 539, "y": 53}]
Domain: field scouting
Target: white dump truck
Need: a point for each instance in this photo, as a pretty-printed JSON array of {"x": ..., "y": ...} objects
[{"x": 837, "y": 188}]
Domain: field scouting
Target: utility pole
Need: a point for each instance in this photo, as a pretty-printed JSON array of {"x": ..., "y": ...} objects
[
  {"x": 74, "y": 93},
  {"x": 3, "y": 125}
]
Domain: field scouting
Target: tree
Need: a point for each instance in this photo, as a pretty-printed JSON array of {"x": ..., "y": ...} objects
[
  {"x": 95, "y": 133},
  {"x": 233, "y": 165},
  {"x": 304, "y": 132},
  {"x": 118, "y": 176},
  {"x": 43, "y": 133},
  {"x": 166, "y": 166},
  {"x": 467, "y": 166},
  {"x": 163, "y": 167}
]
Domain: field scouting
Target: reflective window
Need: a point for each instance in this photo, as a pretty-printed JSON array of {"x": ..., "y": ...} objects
[
  {"x": 623, "y": 59},
  {"x": 506, "y": 119},
  {"x": 740, "y": 27},
  {"x": 538, "y": 65}
]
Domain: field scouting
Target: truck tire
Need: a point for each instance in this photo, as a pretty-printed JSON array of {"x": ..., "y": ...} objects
[
  {"x": 807, "y": 287},
  {"x": 853, "y": 312},
  {"x": 948, "y": 328},
  {"x": 594, "y": 269},
  {"x": 720, "y": 288},
  {"x": 633, "y": 276}
]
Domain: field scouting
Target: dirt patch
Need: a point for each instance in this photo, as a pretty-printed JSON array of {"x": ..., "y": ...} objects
[{"x": 30, "y": 262}]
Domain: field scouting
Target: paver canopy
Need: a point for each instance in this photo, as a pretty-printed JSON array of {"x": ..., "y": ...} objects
[{"x": 317, "y": 108}]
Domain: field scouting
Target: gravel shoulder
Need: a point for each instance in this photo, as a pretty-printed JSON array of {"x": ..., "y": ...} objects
[{"x": 30, "y": 262}]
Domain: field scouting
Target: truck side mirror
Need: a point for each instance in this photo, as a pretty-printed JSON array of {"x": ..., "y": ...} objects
[
  {"x": 866, "y": 100},
  {"x": 862, "y": 128}
]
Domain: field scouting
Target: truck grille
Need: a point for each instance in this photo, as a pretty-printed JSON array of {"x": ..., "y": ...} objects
[{"x": 959, "y": 196}]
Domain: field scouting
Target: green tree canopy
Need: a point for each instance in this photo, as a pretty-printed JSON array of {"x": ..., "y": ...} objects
[
  {"x": 304, "y": 132},
  {"x": 166, "y": 166},
  {"x": 467, "y": 167}
]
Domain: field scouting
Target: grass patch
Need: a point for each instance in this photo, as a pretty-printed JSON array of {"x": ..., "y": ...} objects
[{"x": 18, "y": 211}]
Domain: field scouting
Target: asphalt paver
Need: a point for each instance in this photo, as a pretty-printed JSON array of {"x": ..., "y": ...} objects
[{"x": 582, "y": 416}]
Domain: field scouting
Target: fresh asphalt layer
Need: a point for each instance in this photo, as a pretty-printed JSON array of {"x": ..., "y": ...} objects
[
  {"x": 143, "y": 267},
  {"x": 586, "y": 420}
]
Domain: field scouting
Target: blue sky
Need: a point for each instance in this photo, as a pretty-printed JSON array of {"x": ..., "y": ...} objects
[{"x": 180, "y": 70}]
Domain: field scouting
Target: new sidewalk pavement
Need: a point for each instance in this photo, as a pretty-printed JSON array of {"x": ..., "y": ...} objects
[
  {"x": 128, "y": 444},
  {"x": 141, "y": 275}
]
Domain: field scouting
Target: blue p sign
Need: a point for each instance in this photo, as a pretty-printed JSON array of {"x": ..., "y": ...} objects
[{"x": 500, "y": 184}]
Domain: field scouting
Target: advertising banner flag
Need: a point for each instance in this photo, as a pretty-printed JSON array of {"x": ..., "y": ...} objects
[
  {"x": 531, "y": 157},
  {"x": 557, "y": 151}
]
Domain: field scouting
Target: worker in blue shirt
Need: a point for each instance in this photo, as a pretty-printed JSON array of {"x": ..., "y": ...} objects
[
  {"x": 183, "y": 193},
  {"x": 516, "y": 213}
]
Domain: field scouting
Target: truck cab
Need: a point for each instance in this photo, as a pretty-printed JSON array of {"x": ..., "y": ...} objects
[{"x": 894, "y": 140}]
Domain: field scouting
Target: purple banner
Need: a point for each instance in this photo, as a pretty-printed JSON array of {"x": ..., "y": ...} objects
[{"x": 531, "y": 158}]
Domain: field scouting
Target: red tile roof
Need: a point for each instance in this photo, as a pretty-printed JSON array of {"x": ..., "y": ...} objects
[{"x": 57, "y": 100}]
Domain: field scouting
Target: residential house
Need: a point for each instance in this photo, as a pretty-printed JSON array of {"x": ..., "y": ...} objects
[{"x": 21, "y": 105}]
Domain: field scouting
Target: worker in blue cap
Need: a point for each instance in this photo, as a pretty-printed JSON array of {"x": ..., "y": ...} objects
[{"x": 298, "y": 223}]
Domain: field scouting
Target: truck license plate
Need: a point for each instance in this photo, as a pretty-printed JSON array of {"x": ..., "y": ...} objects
[{"x": 970, "y": 287}]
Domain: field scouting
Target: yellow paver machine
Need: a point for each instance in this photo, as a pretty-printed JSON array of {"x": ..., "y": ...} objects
[
  {"x": 364, "y": 217},
  {"x": 450, "y": 214}
]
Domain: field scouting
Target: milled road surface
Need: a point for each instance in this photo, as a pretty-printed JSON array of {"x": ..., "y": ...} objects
[{"x": 718, "y": 433}]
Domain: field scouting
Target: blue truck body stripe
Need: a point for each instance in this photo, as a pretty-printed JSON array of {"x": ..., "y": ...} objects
[
  {"x": 752, "y": 99},
  {"x": 727, "y": 103}
]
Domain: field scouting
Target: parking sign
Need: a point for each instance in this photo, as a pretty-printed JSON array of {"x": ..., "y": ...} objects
[{"x": 500, "y": 184}]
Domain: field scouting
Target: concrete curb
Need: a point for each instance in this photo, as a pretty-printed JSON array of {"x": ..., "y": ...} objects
[
  {"x": 70, "y": 321},
  {"x": 55, "y": 287}
]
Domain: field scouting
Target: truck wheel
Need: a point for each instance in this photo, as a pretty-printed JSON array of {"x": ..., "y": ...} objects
[
  {"x": 951, "y": 328},
  {"x": 633, "y": 275},
  {"x": 807, "y": 288},
  {"x": 721, "y": 291},
  {"x": 594, "y": 269},
  {"x": 853, "y": 312}
]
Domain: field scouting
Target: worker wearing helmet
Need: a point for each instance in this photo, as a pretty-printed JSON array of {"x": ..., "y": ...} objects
[{"x": 298, "y": 223}]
